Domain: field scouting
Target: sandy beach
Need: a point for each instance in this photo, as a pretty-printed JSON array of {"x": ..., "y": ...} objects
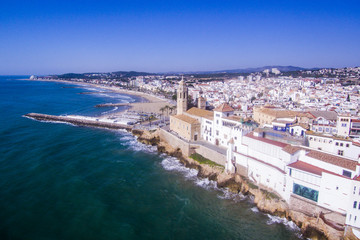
[{"x": 153, "y": 104}]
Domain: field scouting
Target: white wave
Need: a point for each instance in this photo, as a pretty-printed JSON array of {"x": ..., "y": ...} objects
[
  {"x": 49, "y": 121},
  {"x": 227, "y": 194},
  {"x": 129, "y": 140},
  {"x": 112, "y": 110},
  {"x": 254, "y": 209},
  {"x": 206, "y": 183},
  {"x": 289, "y": 224},
  {"x": 173, "y": 164}
]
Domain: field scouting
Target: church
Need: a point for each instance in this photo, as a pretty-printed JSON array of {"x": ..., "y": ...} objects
[
  {"x": 197, "y": 123},
  {"x": 187, "y": 123}
]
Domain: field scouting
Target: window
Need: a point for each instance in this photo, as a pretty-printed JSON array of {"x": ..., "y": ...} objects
[
  {"x": 347, "y": 145},
  {"x": 235, "y": 148},
  {"x": 355, "y": 191},
  {"x": 290, "y": 172},
  {"x": 305, "y": 192},
  {"x": 355, "y": 203},
  {"x": 347, "y": 174},
  {"x": 340, "y": 152},
  {"x": 217, "y": 132},
  {"x": 343, "y": 124},
  {"x": 336, "y": 143},
  {"x": 341, "y": 144}
]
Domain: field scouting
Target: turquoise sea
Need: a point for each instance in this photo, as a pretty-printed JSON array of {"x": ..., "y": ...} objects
[{"x": 59, "y": 181}]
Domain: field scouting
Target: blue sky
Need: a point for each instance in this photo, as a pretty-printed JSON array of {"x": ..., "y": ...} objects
[{"x": 51, "y": 37}]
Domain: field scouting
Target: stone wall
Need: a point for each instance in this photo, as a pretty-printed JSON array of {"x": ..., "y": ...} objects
[
  {"x": 210, "y": 154},
  {"x": 175, "y": 142}
]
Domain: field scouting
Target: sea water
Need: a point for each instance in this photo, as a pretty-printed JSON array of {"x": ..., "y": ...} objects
[{"x": 59, "y": 181}]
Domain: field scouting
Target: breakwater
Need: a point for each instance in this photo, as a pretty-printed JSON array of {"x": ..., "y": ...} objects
[
  {"x": 112, "y": 105},
  {"x": 92, "y": 122}
]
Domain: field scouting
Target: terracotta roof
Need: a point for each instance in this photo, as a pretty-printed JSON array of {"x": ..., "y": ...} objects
[
  {"x": 199, "y": 112},
  {"x": 306, "y": 167},
  {"x": 292, "y": 149},
  {"x": 185, "y": 118},
  {"x": 332, "y": 159},
  {"x": 329, "y": 115},
  {"x": 224, "y": 108},
  {"x": 315, "y": 170},
  {"x": 277, "y": 113},
  {"x": 269, "y": 141},
  {"x": 357, "y": 178}
]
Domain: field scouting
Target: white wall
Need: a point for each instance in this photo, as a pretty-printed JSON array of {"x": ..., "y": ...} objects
[{"x": 334, "y": 192}]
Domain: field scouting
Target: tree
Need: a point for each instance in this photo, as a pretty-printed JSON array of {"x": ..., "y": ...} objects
[
  {"x": 167, "y": 107},
  {"x": 162, "y": 110},
  {"x": 172, "y": 108},
  {"x": 252, "y": 98}
]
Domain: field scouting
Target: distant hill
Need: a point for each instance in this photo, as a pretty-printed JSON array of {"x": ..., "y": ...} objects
[
  {"x": 251, "y": 70},
  {"x": 131, "y": 73},
  {"x": 94, "y": 75},
  {"x": 127, "y": 74}
]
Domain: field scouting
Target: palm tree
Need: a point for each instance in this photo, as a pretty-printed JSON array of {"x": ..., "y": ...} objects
[
  {"x": 172, "y": 108},
  {"x": 162, "y": 110},
  {"x": 167, "y": 107}
]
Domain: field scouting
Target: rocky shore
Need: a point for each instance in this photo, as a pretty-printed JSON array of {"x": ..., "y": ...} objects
[{"x": 313, "y": 227}]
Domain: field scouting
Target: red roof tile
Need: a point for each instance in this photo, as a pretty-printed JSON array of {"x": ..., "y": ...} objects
[
  {"x": 224, "y": 108},
  {"x": 332, "y": 159},
  {"x": 306, "y": 167}
]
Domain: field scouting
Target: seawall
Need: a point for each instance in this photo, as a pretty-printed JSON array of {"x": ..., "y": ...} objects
[{"x": 92, "y": 122}]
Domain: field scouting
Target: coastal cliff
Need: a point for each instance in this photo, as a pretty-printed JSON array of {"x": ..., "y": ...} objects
[{"x": 313, "y": 227}]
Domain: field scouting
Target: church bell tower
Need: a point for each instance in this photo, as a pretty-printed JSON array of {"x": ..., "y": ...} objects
[{"x": 182, "y": 97}]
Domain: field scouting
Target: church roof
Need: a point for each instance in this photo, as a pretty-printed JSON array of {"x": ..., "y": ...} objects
[
  {"x": 185, "y": 118},
  {"x": 224, "y": 108},
  {"x": 199, "y": 112}
]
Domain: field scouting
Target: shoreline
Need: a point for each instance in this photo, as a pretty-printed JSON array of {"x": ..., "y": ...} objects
[{"x": 155, "y": 100}]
